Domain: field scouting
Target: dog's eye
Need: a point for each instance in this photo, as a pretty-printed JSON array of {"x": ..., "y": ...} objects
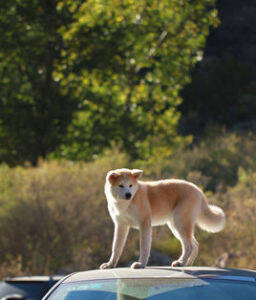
[
  {"x": 130, "y": 185},
  {"x": 121, "y": 186}
]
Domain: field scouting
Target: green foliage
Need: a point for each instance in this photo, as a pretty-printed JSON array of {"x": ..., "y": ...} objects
[
  {"x": 238, "y": 238},
  {"x": 59, "y": 211},
  {"x": 34, "y": 111},
  {"x": 224, "y": 167},
  {"x": 130, "y": 59},
  {"x": 54, "y": 217},
  {"x": 78, "y": 75},
  {"x": 213, "y": 164}
]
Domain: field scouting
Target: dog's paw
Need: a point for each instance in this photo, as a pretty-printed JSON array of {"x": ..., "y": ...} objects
[
  {"x": 137, "y": 265},
  {"x": 177, "y": 263},
  {"x": 107, "y": 265}
]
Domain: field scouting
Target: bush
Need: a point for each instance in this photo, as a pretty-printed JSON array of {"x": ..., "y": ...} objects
[
  {"x": 54, "y": 217},
  {"x": 224, "y": 166},
  {"x": 238, "y": 239},
  {"x": 212, "y": 164}
]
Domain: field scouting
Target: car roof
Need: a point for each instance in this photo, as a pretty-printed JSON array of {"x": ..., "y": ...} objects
[{"x": 164, "y": 272}]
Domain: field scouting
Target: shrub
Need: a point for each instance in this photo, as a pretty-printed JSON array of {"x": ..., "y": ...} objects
[
  {"x": 224, "y": 166},
  {"x": 212, "y": 164},
  {"x": 54, "y": 218},
  {"x": 55, "y": 215},
  {"x": 238, "y": 239}
]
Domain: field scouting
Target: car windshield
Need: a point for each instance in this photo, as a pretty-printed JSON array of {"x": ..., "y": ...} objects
[{"x": 155, "y": 288}]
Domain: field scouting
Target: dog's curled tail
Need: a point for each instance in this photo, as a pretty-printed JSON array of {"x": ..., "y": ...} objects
[{"x": 211, "y": 217}]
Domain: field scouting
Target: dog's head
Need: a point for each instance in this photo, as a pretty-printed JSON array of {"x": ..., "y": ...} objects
[{"x": 123, "y": 183}]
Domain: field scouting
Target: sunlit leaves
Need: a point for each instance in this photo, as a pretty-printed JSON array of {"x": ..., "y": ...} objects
[
  {"x": 114, "y": 67},
  {"x": 132, "y": 58}
]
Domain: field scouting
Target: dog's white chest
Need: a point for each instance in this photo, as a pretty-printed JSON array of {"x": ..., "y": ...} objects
[{"x": 128, "y": 215}]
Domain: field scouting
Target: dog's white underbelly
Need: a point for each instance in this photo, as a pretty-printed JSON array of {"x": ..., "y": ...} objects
[
  {"x": 133, "y": 222},
  {"x": 158, "y": 221},
  {"x": 154, "y": 222}
]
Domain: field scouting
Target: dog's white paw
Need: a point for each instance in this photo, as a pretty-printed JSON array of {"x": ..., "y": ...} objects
[
  {"x": 177, "y": 263},
  {"x": 107, "y": 265},
  {"x": 137, "y": 265}
]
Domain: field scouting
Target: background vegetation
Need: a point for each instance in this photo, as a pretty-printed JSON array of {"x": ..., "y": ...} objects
[
  {"x": 88, "y": 86},
  {"x": 78, "y": 75},
  {"x": 54, "y": 217}
]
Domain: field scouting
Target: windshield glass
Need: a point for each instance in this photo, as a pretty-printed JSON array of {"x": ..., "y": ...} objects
[{"x": 155, "y": 288}]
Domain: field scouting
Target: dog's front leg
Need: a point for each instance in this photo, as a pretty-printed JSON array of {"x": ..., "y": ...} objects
[
  {"x": 145, "y": 244},
  {"x": 120, "y": 235}
]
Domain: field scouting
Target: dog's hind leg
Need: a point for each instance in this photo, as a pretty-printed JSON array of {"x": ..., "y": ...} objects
[
  {"x": 194, "y": 252},
  {"x": 183, "y": 229}
]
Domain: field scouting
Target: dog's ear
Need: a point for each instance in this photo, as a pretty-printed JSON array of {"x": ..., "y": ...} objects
[
  {"x": 112, "y": 176},
  {"x": 136, "y": 173}
]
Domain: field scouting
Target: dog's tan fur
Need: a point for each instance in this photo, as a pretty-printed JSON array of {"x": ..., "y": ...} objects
[{"x": 177, "y": 203}]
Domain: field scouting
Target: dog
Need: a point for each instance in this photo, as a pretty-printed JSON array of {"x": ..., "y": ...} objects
[{"x": 139, "y": 204}]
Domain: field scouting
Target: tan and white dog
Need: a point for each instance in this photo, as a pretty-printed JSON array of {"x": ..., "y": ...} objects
[{"x": 141, "y": 205}]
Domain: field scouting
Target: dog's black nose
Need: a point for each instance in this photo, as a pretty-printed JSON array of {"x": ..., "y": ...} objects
[{"x": 128, "y": 195}]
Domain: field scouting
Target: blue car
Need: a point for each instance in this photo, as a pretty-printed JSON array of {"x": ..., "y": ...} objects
[{"x": 157, "y": 283}]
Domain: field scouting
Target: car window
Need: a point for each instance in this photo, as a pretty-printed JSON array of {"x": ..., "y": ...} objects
[
  {"x": 30, "y": 290},
  {"x": 213, "y": 291},
  {"x": 152, "y": 289}
]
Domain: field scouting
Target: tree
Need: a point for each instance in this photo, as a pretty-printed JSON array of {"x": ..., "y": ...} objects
[
  {"x": 113, "y": 67},
  {"x": 131, "y": 59},
  {"x": 34, "y": 111}
]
